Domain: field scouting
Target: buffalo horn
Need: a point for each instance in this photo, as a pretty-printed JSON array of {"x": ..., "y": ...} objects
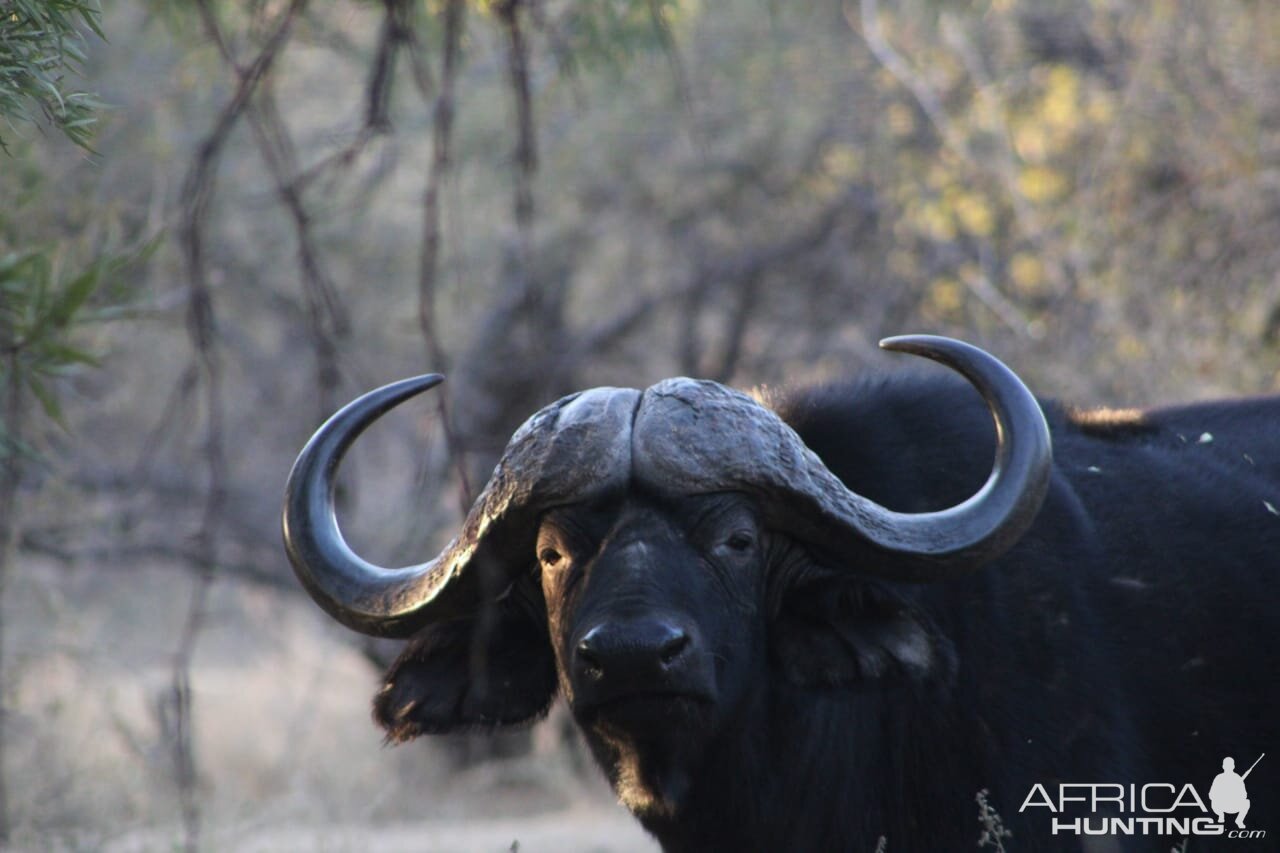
[
  {"x": 698, "y": 437},
  {"x": 567, "y": 452}
]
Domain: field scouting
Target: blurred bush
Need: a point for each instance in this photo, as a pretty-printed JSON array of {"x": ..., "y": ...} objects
[{"x": 539, "y": 196}]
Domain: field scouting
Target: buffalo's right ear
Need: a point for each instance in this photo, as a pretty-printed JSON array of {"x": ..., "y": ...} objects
[
  {"x": 481, "y": 673},
  {"x": 837, "y": 630}
]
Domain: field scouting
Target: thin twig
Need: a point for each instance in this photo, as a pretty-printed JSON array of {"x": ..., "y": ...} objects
[
  {"x": 126, "y": 557},
  {"x": 526, "y": 151},
  {"x": 894, "y": 63},
  {"x": 736, "y": 325},
  {"x": 10, "y": 448},
  {"x": 201, "y": 328},
  {"x": 327, "y": 320},
  {"x": 441, "y": 164},
  {"x": 429, "y": 261},
  {"x": 1003, "y": 171},
  {"x": 378, "y": 92},
  {"x": 553, "y": 32},
  {"x": 679, "y": 76}
]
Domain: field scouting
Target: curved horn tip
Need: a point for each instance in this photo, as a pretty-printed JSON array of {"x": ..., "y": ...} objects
[
  {"x": 1001, "y": 511},
  {"x": 359, "y": 594},
  {"x": 422, "y": 382},
  {"x": 373, "y": 405},
  {"x": 926, "y": 345}
]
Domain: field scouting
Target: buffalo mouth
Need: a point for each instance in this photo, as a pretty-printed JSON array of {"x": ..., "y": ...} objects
[
  {"x": 644, "y": 711},
  {"x": 650, "y": 744}
]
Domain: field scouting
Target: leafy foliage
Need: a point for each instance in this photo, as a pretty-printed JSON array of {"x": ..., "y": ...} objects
[
  {"x": 40, "y": 311},
  {"x": 610, "y": 33},
  {"x": 753, "y": 192},
  {"x": 41, "y": 42}
]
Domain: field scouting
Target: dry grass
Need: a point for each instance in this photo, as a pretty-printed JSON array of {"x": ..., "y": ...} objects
[{"x": 287, "y": 754}]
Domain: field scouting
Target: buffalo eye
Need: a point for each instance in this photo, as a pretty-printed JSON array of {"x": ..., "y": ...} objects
[
  {"x": 549, "y": 557},
  {"x": 740, "y": 541}
]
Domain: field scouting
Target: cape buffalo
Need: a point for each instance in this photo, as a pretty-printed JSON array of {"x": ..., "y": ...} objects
[{"x": 824, "y": 620}]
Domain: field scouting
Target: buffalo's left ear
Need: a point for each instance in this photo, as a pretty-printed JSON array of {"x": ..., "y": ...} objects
[
  {"x": 835, "y": 631},
  {"x": 481, "y": 673}
]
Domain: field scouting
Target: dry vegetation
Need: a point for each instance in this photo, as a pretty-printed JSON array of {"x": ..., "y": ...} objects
[{"x": 534, "y": 197}]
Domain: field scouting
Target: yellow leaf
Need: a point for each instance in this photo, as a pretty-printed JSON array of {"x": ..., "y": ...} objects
[
  {"x": 902, "y": 119},
  {"x": 946, "y": 295},
  {"x": 1031, "y": 142},
  {"x": 1042, "y": 184},
  {"x": 936, "y": 222},
  {"x": 973, "y": 213},
  {"x": 1026, "y": 272},
  {"x": 1061, "y": 98},
  {"x": 842, "y": 162}
]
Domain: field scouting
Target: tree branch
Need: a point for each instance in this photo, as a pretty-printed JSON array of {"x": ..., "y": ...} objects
[{"x": 201, "y": 328}]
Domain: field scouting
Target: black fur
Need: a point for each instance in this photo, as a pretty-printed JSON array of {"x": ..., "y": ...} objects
[
  {"x": 472, "y": 674},
  {"x": 1129, "y": 637}
]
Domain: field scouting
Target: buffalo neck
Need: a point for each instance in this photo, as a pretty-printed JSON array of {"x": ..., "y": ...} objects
[{"x": 803, "y": 769}]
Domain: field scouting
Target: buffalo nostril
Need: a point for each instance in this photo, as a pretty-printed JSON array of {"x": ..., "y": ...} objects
[
  {"x": 588, "y": 654},
  {"x": 673, "y": 647},
  {"x": 626, "y": 651}
]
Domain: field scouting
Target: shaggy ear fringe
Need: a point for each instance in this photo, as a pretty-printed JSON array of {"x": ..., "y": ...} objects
[
  {"x": 838, "y": 632},
  {"x": 477, "y": 674},
  {"x": 400, "y": 724}
]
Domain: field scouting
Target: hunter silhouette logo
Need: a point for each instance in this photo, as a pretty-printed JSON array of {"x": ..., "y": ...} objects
[
  {"x": 1228, "y": 794},
  {"x": 1154, "y": 808}
]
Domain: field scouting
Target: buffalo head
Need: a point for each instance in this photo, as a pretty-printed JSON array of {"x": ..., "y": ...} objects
[{"x": 655, "y": 556}]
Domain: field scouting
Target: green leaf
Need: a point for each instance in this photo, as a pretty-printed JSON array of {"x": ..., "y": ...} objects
[
  {"x": 73, "y": 297},
  {"x": 39, "y": 44},
  {"x": 48, "y": 401},
  {"x": 57, "y": 356}
]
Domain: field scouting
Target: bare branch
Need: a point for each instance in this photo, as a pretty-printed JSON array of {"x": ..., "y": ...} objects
[
  {"x": 429, "y": 262},
  {"x": 736, "y": 325},
  {"x": 898, "y": 67},
  {"x": 10, "y": 450},
  {"x": 327, "y": 320},
  {"x": 125, "y": 558},
  {"x": 201, "y": 328},
  {"x": 526, "y": 152},
  {"x": 441, "y": 164},
  {"x": 1003, "y": 171},
  {"x": 679, "y": 77}
]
